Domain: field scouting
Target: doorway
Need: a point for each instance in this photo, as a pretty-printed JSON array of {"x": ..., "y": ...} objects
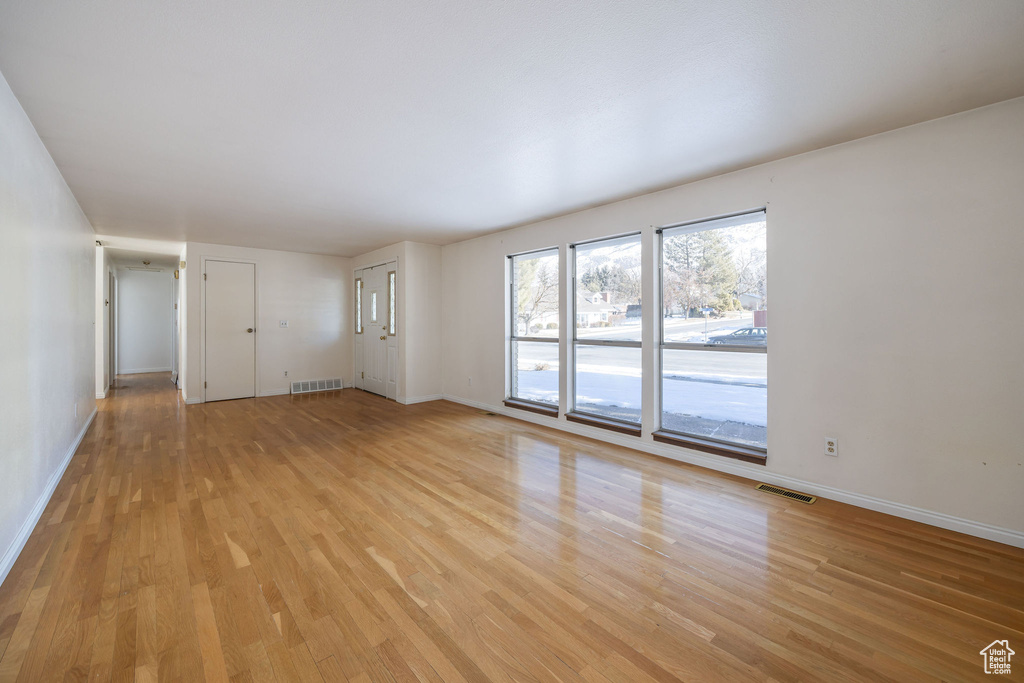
[
  {"x": 137, "y": 327},
  {"x": 376, "y": 338},
  {"x": 229, "y": 356}
]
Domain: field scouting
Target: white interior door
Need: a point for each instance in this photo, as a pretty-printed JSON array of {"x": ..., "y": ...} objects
[
  {"x": 230, "y": 330},
  {"x": 374, "y": 306},
  {"x": 112, "y": 331}
]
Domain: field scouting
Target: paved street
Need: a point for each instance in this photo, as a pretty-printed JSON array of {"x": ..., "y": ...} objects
[
  {"x": 676, "y": 329},
  {"x": 730, "y": 368}
]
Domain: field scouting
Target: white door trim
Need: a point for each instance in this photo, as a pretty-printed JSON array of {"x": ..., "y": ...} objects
[{"x": 202, "y": 318}]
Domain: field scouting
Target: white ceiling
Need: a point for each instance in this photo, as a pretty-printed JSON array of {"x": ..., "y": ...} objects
[
  {"x": 132, "y": 251},
  {"x": 137, "y": 259},
  {"x": 338, "y": 127}
]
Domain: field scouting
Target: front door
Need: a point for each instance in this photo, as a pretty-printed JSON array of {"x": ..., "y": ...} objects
[
  {"x": 230, "y": 330},
  {"x": 375, "y": 330}
]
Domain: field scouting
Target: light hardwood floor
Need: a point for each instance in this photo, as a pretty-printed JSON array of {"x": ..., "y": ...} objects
[{"x": 342, "y": 537}]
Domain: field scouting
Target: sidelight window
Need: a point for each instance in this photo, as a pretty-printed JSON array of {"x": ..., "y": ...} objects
[{"x": 359, "y": 305}]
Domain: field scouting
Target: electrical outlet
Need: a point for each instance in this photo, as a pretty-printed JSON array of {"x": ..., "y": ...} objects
[
  {"x": 469, "y": 381},
  {"x": 285, "y": 373},
  {"x": 831, "y": 446},
  {"x": 76, "y": 410},
  {"x": 284, "y": 323}
]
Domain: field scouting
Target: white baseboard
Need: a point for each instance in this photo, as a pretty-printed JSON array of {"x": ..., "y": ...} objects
[
  {"x": 889, "y": 507},
  {"x": 409, "y": 400},
  {"x": 759, "y": 473},
  {"x": 141, "y": 371},
  {"x": 13, "y": 550},
  {"x": 102, "y": 395},
  {"x": 191, "y": 401},
  {"x": 276, "y": 392}
]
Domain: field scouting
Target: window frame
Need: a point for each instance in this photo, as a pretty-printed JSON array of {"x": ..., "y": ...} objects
[
  {"x": 574, "y": 414},
  {"x": 707, "y": 444},
  {"x": 511, "y": 400}
]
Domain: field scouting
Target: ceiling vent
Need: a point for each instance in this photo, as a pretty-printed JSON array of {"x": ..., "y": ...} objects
[
  {"x": 312, "y": 385},
  {"x": 786, "y": 493}
]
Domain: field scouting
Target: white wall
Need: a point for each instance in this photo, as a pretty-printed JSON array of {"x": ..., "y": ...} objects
[
  {"x": 418, "y": 316},
  {"x": 421, "y": 289},
  {"x": 47, "y": 360},
  {"x": 894, "y": 265},
  {"x": 145, "y": 307},
  {"x": 312, "y": 292}
]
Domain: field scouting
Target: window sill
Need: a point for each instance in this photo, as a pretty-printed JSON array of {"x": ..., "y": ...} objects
[
  {"x": 715, "y": 448},
  {"x": 604, "y": 423},
  {"x": 550, "y": 411}
]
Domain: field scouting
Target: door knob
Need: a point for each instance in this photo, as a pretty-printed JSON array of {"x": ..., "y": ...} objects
[
  {"x": 382, "y": 337},
  {"x": 249, "y": 330}
]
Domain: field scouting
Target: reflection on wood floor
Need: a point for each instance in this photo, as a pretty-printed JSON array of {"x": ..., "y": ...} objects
[{"x": 340, "y": 537}]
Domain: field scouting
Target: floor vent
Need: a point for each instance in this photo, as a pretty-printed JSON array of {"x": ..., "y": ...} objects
[
  {"x": 786, "y": 493},
  {"x": 487, "y": 413},
  {"x": 316, "y": 385}
]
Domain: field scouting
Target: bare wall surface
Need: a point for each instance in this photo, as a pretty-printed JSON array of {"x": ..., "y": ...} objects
[
  {"x": 421, "y": 286},
  {"x": 47, "y": 362},
  {"x": 894, "y": 267}
]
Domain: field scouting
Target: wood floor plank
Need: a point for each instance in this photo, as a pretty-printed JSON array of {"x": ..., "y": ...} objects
[{"x": 342, "y": 537}]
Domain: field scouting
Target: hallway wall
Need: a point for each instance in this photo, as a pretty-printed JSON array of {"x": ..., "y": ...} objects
[
  {"x": 47, "y": 364},
  {"x": 145, "y": 308}
]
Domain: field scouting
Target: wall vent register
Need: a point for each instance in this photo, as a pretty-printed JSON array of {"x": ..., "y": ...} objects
[
  {"x": 310, "y": 386},
  {"x": 786, "y": 493}
]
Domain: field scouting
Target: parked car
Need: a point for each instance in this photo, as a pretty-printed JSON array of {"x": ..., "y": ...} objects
[{"x": 748, "y": 336}]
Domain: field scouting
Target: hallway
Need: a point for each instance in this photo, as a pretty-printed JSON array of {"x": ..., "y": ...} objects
[{"x": 339, "y": 536}]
